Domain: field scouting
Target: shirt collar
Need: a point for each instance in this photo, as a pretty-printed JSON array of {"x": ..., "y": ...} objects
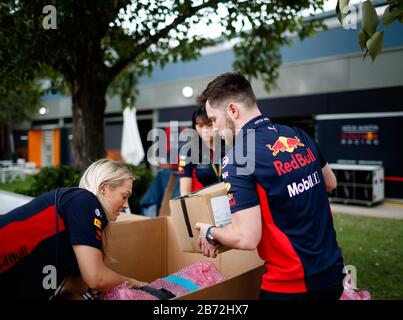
[
  {"x": 252, "y": 124},
  {"x": 256, "y": 122}
]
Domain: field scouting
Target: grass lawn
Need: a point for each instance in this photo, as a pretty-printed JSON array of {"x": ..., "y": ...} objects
[
  {"x": 17, "y": 185},
  {"x": 375, "y": 247}
]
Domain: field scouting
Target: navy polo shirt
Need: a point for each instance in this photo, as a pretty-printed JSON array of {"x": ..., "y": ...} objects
[
  {"x": 280, "y": 168},
  {"x": 28, "y": 240},
  {"x": 204, "y": 172}
]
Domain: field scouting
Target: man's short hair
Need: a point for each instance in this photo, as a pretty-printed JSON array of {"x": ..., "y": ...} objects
[{"x": 228, "y": 86}]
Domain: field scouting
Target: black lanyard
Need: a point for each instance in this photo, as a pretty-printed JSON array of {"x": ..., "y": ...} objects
[{"x": 59, "y": 288}]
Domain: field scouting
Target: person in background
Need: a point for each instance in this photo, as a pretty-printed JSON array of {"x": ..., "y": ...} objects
[
  {"x": 204, "y": 169},
  {"x": 64, "y": 230}
]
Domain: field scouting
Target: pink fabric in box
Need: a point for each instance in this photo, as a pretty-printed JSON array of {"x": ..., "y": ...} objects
[
  {"x": 190, "y": 278},
  {"x": 350, "y": 294}
]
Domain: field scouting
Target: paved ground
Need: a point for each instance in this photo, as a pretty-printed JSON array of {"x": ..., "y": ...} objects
[{"x": 389, "y": 209}]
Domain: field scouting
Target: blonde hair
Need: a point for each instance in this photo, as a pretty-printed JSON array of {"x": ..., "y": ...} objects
[{"x": 111, "y": 172}]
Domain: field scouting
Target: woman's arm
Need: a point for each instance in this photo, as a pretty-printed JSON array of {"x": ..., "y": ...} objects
[{"x": 96, "y": 274}]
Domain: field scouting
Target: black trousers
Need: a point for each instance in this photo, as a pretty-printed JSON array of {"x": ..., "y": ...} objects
[
  {"x": 332, "y": 293},
  {"x": 327, "y": 286}
]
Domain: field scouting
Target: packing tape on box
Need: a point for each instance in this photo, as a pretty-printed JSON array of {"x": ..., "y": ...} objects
[{"x": 186, "y": 216}]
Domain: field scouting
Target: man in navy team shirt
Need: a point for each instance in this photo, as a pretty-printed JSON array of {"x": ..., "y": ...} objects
[{"x": 277, "y": 184}]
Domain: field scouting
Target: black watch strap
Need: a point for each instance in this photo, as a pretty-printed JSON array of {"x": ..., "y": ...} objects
[{"x": 209, "y": 236}]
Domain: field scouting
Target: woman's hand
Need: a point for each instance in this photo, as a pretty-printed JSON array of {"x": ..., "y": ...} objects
[{"x": 133, "y": 283}]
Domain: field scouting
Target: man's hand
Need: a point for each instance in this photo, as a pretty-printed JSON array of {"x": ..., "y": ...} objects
[
  {"x": 133, "y": 284},
  {"x": 202, "y": 227},
  {"x": 207, "y": 249}
]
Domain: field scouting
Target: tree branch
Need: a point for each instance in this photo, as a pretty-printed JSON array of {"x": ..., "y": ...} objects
[{"x": 120, "y": 65}]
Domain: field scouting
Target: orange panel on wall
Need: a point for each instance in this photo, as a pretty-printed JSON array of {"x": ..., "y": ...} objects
[
  {"x": 35, "y": 147},
  {"x": 56, "y": 147},
  {"x": 114, "y": 154}
]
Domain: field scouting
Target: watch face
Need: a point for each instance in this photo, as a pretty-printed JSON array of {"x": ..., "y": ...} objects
[
  {"x": 208, "y": 234},
  {"x": 210, "y": 238}
]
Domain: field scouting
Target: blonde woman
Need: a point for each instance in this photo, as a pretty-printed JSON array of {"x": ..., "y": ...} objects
[{"x": 62, "y": 231}]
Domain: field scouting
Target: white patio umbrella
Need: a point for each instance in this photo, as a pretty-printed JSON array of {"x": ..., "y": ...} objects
[{"x": 132, "y": 149}]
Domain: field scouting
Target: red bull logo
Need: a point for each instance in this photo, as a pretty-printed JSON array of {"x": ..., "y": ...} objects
[
  {"x": 284, "y": 144},
  {"x": 298, "y": 160}
]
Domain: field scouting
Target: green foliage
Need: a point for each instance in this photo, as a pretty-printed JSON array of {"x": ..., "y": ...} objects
[
  {"x": 106, "y": 46},
  {"x": 161, "y": 32},
  {"x": 369, "y": 39},
  {"x": 392, "y": 12},
  {"x": 19, "y": 103},
  {"x": 50, "y": 178},
  {"x": 143, "y": 179},
  {"x": 369, "y": 18},
  {"x": 362, "y": 39},
  {"x": 125, "y": 86},
  {"x": 18, "y": 185},
  {"x": 341, "y": 9},
  {"x": 374, "y": 44},
  {"x": 258, "y": 51}
]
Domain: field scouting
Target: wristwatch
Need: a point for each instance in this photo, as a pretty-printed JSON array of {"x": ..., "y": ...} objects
[{"x": 209, "y": 236}]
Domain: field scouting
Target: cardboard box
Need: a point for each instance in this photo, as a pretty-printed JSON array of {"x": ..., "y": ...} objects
[
  {"x": 147, "y": 249},
  {"x": 208, "y": 205},
  {"x": 164, "y": 209}
]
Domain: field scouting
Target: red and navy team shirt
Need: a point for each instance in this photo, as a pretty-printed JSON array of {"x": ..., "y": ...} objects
[
  {"x": 28, "y": 240},
  {"x": 298, "y": 241},
  {"x": 203, "y": 173}
]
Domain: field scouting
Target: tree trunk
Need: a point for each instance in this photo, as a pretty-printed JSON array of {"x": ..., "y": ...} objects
[
  {"x": 6, "y": 149},
  {"x": 88, "y": 120}
]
